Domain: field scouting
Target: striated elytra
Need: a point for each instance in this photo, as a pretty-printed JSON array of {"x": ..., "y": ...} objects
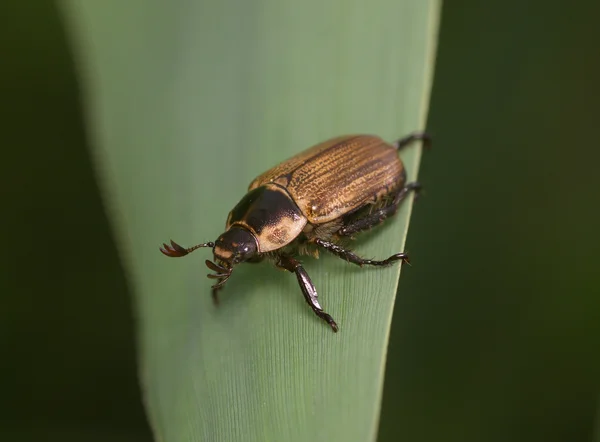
[{"x": 313, "y": 200}]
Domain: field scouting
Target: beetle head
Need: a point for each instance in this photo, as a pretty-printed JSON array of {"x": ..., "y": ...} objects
[{"x": 234, "y": 246}]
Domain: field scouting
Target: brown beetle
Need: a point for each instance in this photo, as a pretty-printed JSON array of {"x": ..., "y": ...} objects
[{"x": 313, "y": 200}]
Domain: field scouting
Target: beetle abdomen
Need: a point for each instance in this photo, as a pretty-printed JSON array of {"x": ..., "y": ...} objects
[
  {"x": 271, "y": 215},
  {"x": 338, "y": 176}
]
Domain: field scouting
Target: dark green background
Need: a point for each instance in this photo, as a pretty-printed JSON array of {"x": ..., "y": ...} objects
[
  {"x": 496, "y": 324},
  {"x": 496, "y": 327}
]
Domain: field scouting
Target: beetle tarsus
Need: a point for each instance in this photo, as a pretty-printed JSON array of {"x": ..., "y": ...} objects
[
  {"x": 415, "y": 187},
  {"x": 330, "y": 321},
  {"x": 424, "y": 137},
  {"x": 308, "y": 288},
  {"x": 355, "y": 259},
  {"x": 379, "y": 216}
]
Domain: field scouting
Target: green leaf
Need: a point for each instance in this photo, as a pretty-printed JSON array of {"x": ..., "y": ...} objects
[{"x": 186, "y": 103}]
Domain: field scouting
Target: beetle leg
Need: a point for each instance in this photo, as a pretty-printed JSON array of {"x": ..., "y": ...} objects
[
  {"x": 308, "y": 288},
  {"x": 221, "y": 280},
  {"x": 215, "y": 294},
  {"x": 380, "y": 215},
  {"x": 415, "y": 136},
  {"x": 355, "y": 259}
]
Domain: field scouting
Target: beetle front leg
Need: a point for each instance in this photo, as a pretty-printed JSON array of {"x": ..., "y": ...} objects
[
  {"x": 355, "y": 259},
  {"x": 308, "y": 288},
  {"x": 380, "y": 215}
]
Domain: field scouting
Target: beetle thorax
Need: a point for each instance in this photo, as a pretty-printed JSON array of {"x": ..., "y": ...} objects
[{"x": 271, "y": 215}]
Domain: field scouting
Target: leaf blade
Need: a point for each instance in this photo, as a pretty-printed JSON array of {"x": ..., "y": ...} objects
[{"x": 261, "y": 366}]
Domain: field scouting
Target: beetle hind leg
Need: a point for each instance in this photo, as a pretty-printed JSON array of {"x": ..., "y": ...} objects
[
  {"x": 355, "y": 259},
  {"x": 380, "y": 215},
  {"x": 425, "y": 138},
  {"x": 308, "y": 288}
]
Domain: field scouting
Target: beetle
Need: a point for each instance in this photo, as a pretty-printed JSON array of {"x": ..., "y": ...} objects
[{"x": 314, "y": 200}]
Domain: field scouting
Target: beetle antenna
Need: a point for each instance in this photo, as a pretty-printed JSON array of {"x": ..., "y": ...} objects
[{"x": 175, "y": 250}]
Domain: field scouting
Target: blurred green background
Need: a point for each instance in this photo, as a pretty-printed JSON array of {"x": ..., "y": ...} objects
[{"x": 496, "y": 331}]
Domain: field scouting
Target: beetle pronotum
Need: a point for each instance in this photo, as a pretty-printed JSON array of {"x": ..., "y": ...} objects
[{"x": 313, "y": 200}]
